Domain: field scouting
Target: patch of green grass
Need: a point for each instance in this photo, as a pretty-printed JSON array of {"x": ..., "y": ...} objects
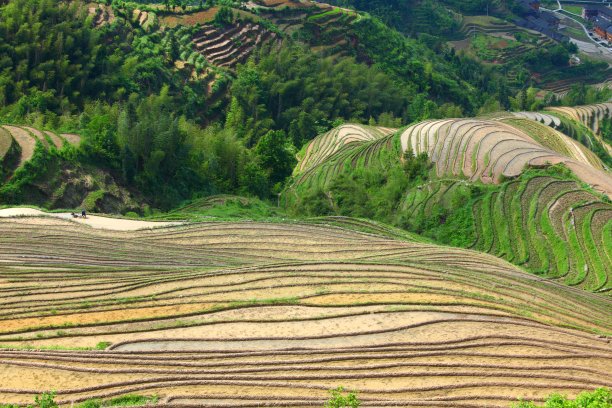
[
  {"x": 103, "y": 345},
  {"x": 222, "y": 208},
  {"x": 123, "y": 401},
  {"x": 92, "y": 198},
  {"x": 573, "y": 9},
  {"x": 325, "y": 14},
  {"x": 47, "y": 400}
]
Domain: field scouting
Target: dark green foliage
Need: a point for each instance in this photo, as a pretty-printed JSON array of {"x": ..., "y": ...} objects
[
  {"x": 416, "y": 167},
  {"x": 225, "y": 16},
  {"x": 605, "y": 128},
  {"x": 48, "y": 55},
  {"x": 53, "y": 62},
  {"x": 296, "y": 91},
  {"x": 276, "y": 155},
  {"x": 580, "y": 94}
]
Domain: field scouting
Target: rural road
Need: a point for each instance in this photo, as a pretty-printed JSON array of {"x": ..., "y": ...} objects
[
  {"x": 94, "y": 221},
  {"x": 589, "y": 48}
]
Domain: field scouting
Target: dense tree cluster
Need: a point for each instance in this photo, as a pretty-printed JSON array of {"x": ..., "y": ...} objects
[{"x": 177, "y": 133}]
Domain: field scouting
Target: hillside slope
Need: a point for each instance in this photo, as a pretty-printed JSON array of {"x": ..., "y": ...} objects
[
  {"x": 281, "y": 313},
  {"x": 491, "y": 150},
  {"x": 511, "y": 187}
]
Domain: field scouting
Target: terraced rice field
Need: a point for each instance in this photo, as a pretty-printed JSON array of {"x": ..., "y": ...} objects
[
  {"x": 350, "y": 146},
  {"x": 102, "y": 14},
  {"x": 262, "y": 314},
  {"x": 26, "y": 138},
  {"x": 229, "y": 47},
  {"x": 489, "y": 151},
  {"x": 544, "y": 118},
  {"x": 588, "y": 115},
  {"x": 551, "y": 226},
  {"x": 570, "y": 240},
  {"x": 555, "y": 140},
  {"x": 324, "y": 146}
]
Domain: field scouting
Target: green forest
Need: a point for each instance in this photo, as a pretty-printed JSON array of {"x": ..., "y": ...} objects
[{"x": 166, "y": 136}]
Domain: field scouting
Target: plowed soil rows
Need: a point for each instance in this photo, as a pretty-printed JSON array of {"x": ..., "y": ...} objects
[{"x": 207, "y": 313}]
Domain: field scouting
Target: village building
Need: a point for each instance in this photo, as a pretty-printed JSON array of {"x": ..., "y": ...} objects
[
  {"x": 589, "y": 13},
  {"x": 592, "y": 12},
  {"x": 603, "y": 28},
  {"x": 542, "y": 21}
]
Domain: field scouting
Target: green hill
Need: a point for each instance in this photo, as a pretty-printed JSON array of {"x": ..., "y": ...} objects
[{"x": 511, "y": 187}]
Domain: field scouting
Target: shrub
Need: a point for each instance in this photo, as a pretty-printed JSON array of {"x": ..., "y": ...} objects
[
  {"x": 341, "y": 399},
  {"x": 600, "y": 398}
]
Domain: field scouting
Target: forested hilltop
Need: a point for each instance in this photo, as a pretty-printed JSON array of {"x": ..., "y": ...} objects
[{"x": 166, "y": 114}]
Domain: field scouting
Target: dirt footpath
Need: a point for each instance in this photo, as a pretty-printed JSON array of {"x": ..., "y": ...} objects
[{"x": 94, "y": 221}]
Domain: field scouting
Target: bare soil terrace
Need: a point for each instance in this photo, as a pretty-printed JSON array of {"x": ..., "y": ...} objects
[{"x": 240, "y": 314}]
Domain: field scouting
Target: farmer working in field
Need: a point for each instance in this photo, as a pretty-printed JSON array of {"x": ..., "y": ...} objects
[{"x": 83, "y": 214}]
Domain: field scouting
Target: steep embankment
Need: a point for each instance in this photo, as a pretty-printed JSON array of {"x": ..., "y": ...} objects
[
  {"x": 36, "y": 169},
  {"x": 282, "y": 312},
  {"x": 27, "y": 137}
]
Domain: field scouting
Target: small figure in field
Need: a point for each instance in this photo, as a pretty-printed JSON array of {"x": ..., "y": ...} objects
[
  {"x": 83, "y": 214},
  {"x": 74, "y": 215}
]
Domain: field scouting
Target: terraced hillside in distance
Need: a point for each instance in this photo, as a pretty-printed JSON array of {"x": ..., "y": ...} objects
[
  {"x": 498, "y": 183},
  {"x": 581, "y": 123},
  {"x": 588, "y": 115},
  {"x": 226, "y": 47},
  {"x": 326, "y": 28},
  {"x": 20, "y": 142},
  {"x": 490, "y": 151},
  {"x": 268, "y": 314},
  {"x": 324, "y": 146},
  {"x": 505, "y": 40},
  {"x": 374, "y": 147}
]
